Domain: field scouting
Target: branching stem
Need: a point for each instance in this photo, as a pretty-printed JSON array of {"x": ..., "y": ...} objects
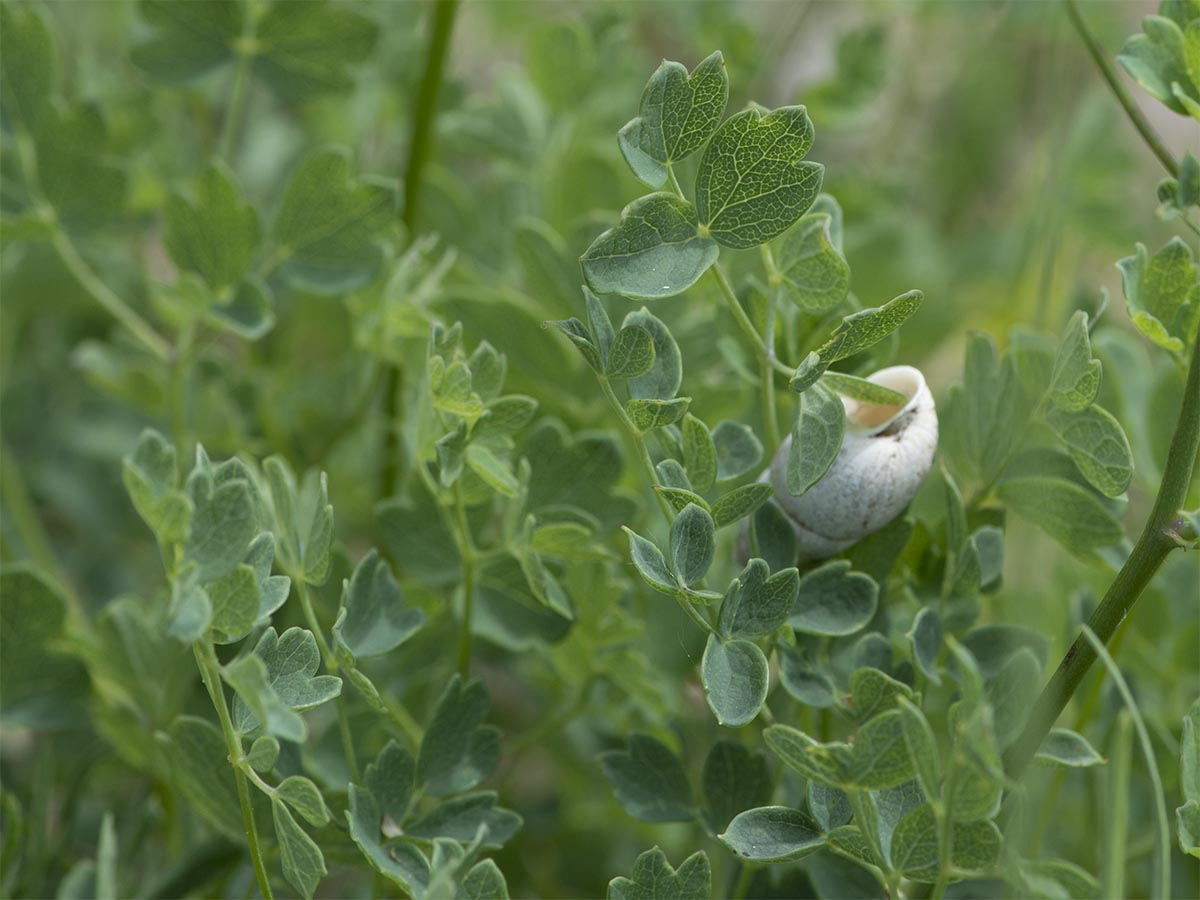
[{"x": 1148, "y": 554}]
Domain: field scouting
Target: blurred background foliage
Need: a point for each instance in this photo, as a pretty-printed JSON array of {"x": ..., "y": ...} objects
[{"x": 977, "y": 157}]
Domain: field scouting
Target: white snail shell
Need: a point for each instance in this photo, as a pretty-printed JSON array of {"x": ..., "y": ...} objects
[{"x": 886, "y": 454}]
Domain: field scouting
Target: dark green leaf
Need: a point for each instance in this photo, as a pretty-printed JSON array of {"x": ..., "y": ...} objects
[
  {"x": 922, "y": 746},
  {"x": 699, "y": 454},
  {"x": 773, "y": 834},
  {"x": 772, "y": 537},
  {"x": 390, "y": 779},
  {"x": 649, "y": 780},
  {"x": 632, "y": 353},
  {"x": 759, "y": 604},
  {"x": 461, "y": 818},
  {"x": 211, "y": 230},
  {"x": 856, "y": 333},
  {"x": 259, "y": 704},
  {"x": 200, "y": 762},
  {"x": 456, "y": 752},
  {"x": 752, "y": 185},
  {"x": 829, "y": 805},
  {"x": 925, "y": 637},
  {"x": 600, "y": 324},
  {"x": 400, "y": 863},
  {"x": 803, "y": 681},
  {"x": 579, "y": 335},
  {"x": 734, "y": 674},
  {"x": 303, "y": 796},
  {"x": 679, "y": 498},
  {"x": 651, "y": 564},
  {"x": 484, "y": 881},
  {"x": 291, "y": 661},
  {"x": 862, "y": 389},
  {"x": 654, "y": 252},
  {"x": 308, "y": 49},
  {"x": 190, "y": 39},
  {"x": 823, "y": 763},
  {"x": 28, "y": 64},
  {"x": 653, "y": 878},
  {"x": 734, "y": 779},
  {"x": 873, "y": 692},
  {"x": 833, "y": 600},
  {"x": 816, "y": 438},
  {"x": 373, "y": 618},
  {"x": 814, "y": 275}
]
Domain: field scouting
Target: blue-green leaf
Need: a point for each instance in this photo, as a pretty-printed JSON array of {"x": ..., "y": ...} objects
[
  {"x": 816, "y": 438},
  {"x": 773, "y": 834},
  {"x": 649, "y": 780},
  {"x": 303, "y": 862},
  {"x": 653, "y": 878},
  {"x": 373, "y": 618},
  {"x": 693, "y": 544},
  {"x": 734, "y": 674},
  {"x": 834, "y": 601}
]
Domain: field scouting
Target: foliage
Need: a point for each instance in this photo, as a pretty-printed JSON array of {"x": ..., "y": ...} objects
[{"x": 351, "y": 544}]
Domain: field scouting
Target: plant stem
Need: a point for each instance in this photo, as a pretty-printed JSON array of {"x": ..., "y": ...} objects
[
  {"x": 206, "y": 659},
  {"x": 745, "y": 324},
  {"x": 639, "y": 441},
  {"x": 235, "y": 110},
  {"x": 419, "y": 146},
  {"x": 469, "y": 555},
  {"x": 102, "y": 294},
  {"x": 1145, "y": 129},
  {"x": 770, "y": 409},
  {"x": 1148, "y": 554},
  {"x": 1116, "y": 812},
  {"x": 331, "y": 665}
]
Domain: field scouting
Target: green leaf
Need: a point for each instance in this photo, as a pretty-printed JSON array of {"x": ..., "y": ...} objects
[
  {"x": 211, "y": 230},
  {"x": 861, "y": 389},
  {"x": 759, "y": 604},
  {"x": 1067, "y": 512},
  {"x": 982, "y": 421},
  {"x": 816, "y": 438},
  {"x": 655, "y": 251},
  {"x": 400, "y": 863},
  {"x": 738, "y": 449},
  {"x": 456, "y": 752},
  {"x": 151, "y": 481},
  {"x": 28, "y": 64},
  {"x": 1187, "y": 817},
  {"x": 223, "y": 522},
  {"x": 647, "y": 414},
  {"x": 1098, "y": 445},
  {"x": 1011, "y": 693},
  {"x": 976, "y": 845},
  {"x": 329, "y": 224},
  {"x": 1075, "y": 378},
  {"x": 200, "y": 763},
  {"x": 822, "y": 763},
  {"x": 872, "y": 692},
  {"x": 740, "y": 502},
  {"x": 42, "y": 685},
  {"x": 78, "y": 170},
  {"x": 303, "y": 796},
  {"x": 190, "y": 39},
  {"x": 693, "y": 544},
  {"x": 489, "y": 368},
  {"x": 879, "y": 755},
  {"x": 390, "y": 778},
  {"x": 803, "y": 680},
  {"x": 856, "y": 333},
  {"x": 679, "y": 498},
  {"x": 495, "y": 472},
  {"x": 773, "y": 834},
  {"x": 263, "y": 706},
  {"x": 601, "y": 325},
  {"x": 304, "y": 520},
  {"x": 651, "y": 564},
  {"x": 579, "y": 335},
  {"x": 922, "y": 746},
  {"x": 678, "y": 114},
  {"x": 699, "y": 454},
  {"x": 1163, "y": 295},
  {"x": 734, "y": 674},
  {"x": 925, "y": 636},
  {"x": 653, "y": 878},
  {"x": 814, "y": 275},
  {"x": 264, "y": 753},
  {"x": 772, "y": 537},
  {"x": 484, "y": 881},
  {"x": 309, "y": 49},
  {"x": 829, "y": 805},
  {"x": 834, "y": 601},
  {"x": 649, "y": 780},
  {"x": 1157, "y": 59},
  {"x": 751, "y": 185},
  {"x": 1056, "y": 879},
  {"x": 666, "y": 374},
  {"x": 235, "y": 600},
  {"x": 734, "y": 779},
  {"x": 291, "y": 660},
  {"x": 461, "y": 818},
  {"x": 632, "y": 353},
  {"x": 503, "y": 416},
  {"x": 303, "y": 862},
  {"x": 1063, "y": 747},
  {"x": 190, "y": 609},
  {"x": 373, "y": 619}
]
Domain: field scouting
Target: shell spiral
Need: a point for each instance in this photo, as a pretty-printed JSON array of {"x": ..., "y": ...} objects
[{"x": 886, "y": 454}]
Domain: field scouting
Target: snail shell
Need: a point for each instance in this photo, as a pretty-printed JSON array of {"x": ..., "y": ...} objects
[{"x": 886, "y": 454}]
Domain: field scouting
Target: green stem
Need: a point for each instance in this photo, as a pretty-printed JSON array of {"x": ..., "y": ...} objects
[
  {"x": 769, "y": 407},
  {"x": 1145, "y": 129},
  {"x": 235, "y": 111},
  {"x": 469, "y": 555},
  {"x": 419, "y": 147},
  {"x": 639, "y": 442},
  {"x": 741, "y": 887},
  {"x": 674, "y": 182},
  {"x": 1148, "y": 554},
  {"x": 1116, "y": 812},
  {"x": 745, "y": 324},
  {"x": 102, "y": 294},
  {"x": 23, "y": 514},
  {"x": 206, "y": 659}
]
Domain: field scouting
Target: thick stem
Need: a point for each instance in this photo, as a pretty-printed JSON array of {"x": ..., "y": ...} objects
[
  {"x": 419, "y": 147},
  {"x": 1145, "y": 129},
  {"x": 1148, "y": 554},
  {"x": 206, "y": 659},
  {"x": 102, "y": 294}
]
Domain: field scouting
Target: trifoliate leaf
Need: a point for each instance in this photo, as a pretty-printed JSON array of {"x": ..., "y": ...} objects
[
  {"x": 654, "y": 252},
  {"x": 291, "y": 661},
  {"x": 653, "y": 878},
  {"x": 760, "y": 602},
  {"x": 400, "y": 863},
  {"x": 678, "y": 114},
  {"x": 309, "y": 49},
  {"x": 190, "y": 39},
  {"x": 752, "y": 185}
]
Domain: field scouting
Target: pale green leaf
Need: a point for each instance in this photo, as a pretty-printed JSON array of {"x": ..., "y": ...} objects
[
  {"x": 1063, "y": 747},
  {"x": 632, "y": 353},
  {"x": 815, "y": 276},
  {"x": 1162, "y": 294},
  {"x": 303, "y": 862},
  {"x": 1098, "y": 445},
  {"x": 650, "y": 563},
  {"x": 373, "y": 618},
  {"x": 648, "y": 414},
  {"x": 1067, "y": 512},
  {"x": 1075, "y": 378},
  {"x": 305, "y": 798}
]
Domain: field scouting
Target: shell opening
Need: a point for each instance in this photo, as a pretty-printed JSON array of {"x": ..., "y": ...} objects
[{"x": 877, "y": 419}]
